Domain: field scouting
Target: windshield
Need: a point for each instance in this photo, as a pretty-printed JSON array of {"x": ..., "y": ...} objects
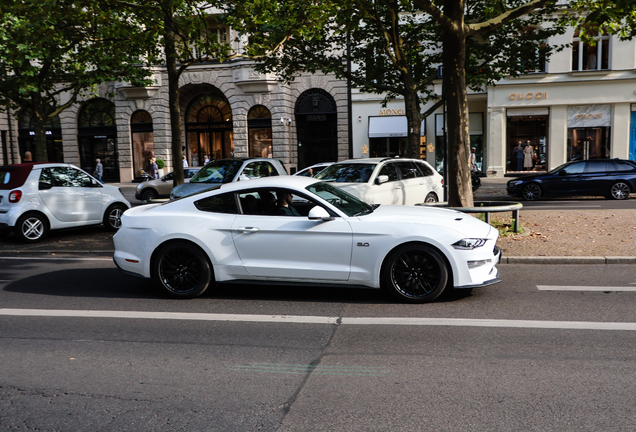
[
  {"x": 221, "y": 171},
  {"x": 559, "y": 168},
  {"x": 349, "y": 173},
  {"x": 340, "y": 199}
]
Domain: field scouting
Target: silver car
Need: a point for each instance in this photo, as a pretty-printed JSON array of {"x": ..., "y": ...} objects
[
  {"x": 162, "y": 188},
  {"x": 221, "y": 171}
]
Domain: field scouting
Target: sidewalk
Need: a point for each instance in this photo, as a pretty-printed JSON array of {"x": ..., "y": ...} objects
[{"x": 551, "y": 236}]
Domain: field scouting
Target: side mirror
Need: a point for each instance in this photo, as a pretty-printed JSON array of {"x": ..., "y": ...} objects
[
  {"x": 44, "y": 186},
  {"x": 381, "y": 179},
  {"x": 319, "y": 213}
]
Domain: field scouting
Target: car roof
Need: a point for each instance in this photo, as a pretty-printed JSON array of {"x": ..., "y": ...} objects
[
  {"x": 378, "y": 160},
  {"x": 284, "y": 181}
]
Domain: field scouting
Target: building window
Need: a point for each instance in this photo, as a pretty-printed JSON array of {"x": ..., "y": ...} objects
[
  {"x": 259, "y": 125},
  {"x": 143, "y": 141},
  {"x": 532, "y": 56},
  {"x": 587, "y": 56}
]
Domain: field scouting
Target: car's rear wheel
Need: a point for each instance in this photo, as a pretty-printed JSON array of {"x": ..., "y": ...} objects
[
  {"x": 431, "y": 198},
  {"x": 415, "y": 273},
  {"x": 112, "y": 217},
  {"x": 182, "y": 270},
  {"x": 531, "y": 192},
  {"x": 619, "y": 191},
  {"x": 149, "y": 194},
  {"x": 31, "y": 227}
]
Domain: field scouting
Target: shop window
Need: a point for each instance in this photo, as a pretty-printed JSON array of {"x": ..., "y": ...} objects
[
  {"x": 590, "y": 56},
  {"x": 259, "y": 125},
  {"x": 526, "y": 140},
  {"x": 143, "y": 141},
  {"x": 26, "y": 136}
]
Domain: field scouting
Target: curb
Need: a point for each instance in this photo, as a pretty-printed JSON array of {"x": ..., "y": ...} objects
[{"x": 567, "y": 260}]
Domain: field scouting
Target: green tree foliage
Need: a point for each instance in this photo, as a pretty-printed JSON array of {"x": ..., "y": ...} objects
[
  {"x": 614, "y": 16},
  {"x": 396, "y": 47},
  {"x": 52, "y": 51}
]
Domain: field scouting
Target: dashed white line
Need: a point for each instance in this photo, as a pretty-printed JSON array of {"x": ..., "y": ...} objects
[
  {"x": 297, "y": 319},
  {"x": 585, "y": 288}
]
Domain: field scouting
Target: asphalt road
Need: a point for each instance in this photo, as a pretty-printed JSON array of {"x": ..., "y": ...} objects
[{"x": 83, "y": 347}]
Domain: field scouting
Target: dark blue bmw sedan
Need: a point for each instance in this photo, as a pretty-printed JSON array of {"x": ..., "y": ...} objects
[{"x": 611, "y": 178}]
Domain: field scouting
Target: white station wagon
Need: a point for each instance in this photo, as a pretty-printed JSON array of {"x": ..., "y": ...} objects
[{"x": 38, "y": 196}]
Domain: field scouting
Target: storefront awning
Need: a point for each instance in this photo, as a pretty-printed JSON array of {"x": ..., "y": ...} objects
[{"x": 390, "y": 126}]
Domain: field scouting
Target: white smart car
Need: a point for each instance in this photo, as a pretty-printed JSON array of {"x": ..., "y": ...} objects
[
  {"x": 299, "y": 230},
  {"x": 37, "y": 197},
  {"x": 386, "y": 180}
]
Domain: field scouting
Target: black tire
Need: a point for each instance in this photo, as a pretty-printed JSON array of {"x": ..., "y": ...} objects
[
  {"x": 431, "y": 198},
  {"x": 182, "y": 270},
  {"x": 415, "y": 273},
  {"x": 149, "y": 194},
  {"x": 112, "y": 217},
  {"x": 531, "y": 192},
  {"x": 31, "y": 227},
  {"x": 619, "y": 191}
]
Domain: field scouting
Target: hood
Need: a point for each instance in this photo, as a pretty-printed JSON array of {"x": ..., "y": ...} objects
[
  {"x": 190, "y": 188},
  {"x": 463, "y": 223}
]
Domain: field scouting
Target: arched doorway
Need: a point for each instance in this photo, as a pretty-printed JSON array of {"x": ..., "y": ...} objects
[
  {"x": 26, "y": 137},
  {"x": 259, "y": 126},
  {"x": 143, "y": 141},
  {"x": 208, "y": 122},
  {"x": 97, "y": 136},
  {"x": 317, "y": 128}
]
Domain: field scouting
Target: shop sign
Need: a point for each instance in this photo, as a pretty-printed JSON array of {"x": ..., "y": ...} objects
[
  {"x": 529, "y": 95},
  {"x": 589, "y": 116},
  {"x": 392, "y": 112},
  {"x": 48, "y": 132}
]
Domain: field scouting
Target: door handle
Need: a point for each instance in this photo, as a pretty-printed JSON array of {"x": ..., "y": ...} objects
[
  {"x": 247, "y": 229},
  {"x": 398, "y": 187}
]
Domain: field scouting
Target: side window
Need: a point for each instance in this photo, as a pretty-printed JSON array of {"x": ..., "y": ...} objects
[
  {"x": 597, "y": 167},
  {"x": 390, "y": 171},
  {"x": 576, "y": 168},
  {"x": 190, "y": 173},
  {"x": 169, "y": 176},
  {"x": 272, "y": 170},
  {"x": 70, "y": 177},
  {"x": 224, "y": 203},
  {"x": 45, "y": 176},
  {"x": 424, "y": 169},
  {"x": 622, "y": 166},
  {"x": 255, "y": 170},
  {"x": 408, "y": 170}
]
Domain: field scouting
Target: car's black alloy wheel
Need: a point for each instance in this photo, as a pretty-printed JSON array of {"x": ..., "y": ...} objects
[
  {"x": 182, "y": 270},
  {"x": 149, "y": 194},
  {"x": 619, "y": 191},
  {"x": 31, "y": 228},
  {"x": 531, "y": 192},
  {"x": 112, "y": 217},
  {"x": 415, "y": 273}
]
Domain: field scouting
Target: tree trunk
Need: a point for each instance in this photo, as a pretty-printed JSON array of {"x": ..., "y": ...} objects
[
  {"x": 414, "y": 120},
  {"x": 173, "y": 102},
  {"x": 39, "y": 124},
  {"x": 460, "y": 193}
]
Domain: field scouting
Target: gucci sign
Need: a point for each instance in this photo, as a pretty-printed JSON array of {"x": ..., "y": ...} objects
[{"x": 530, "y": 95}]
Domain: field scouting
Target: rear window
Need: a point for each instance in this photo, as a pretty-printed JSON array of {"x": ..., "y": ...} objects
[{"x": 13, "y": 176}]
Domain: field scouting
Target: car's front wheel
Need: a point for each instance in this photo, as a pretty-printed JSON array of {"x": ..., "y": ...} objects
[
  {"x": 31, "y": 228},
  {"x": 531, "y": 192},
  {"x": 415, "y": 273},
  {"x": 112, "y": 217},
  {"x": 619, "y": 191},
  {"x": 149, "y": 194},
  {"x": 431, "y": 198},
  {"x": 182, "y": 270}
]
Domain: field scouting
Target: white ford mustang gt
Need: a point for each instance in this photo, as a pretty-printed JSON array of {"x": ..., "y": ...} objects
[{"x": 298, "y": 230}]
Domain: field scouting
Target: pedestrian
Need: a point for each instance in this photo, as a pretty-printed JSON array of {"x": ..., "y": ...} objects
[
  {"x": 28, "y": 157},
  {"x": 99, "y": 170},
  {"x": 154, "y": 169},
  {"x": 185, "y": 162},
  {"x": 473, "y": 160},
  {"x": 206, "y": 159}
]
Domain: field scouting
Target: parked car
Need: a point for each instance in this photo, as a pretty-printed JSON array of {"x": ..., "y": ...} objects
[
  {"x": 386, "y": 180},
  {"x": 222, "y": 171},
  {"x": 611, "y": 178},
  {"x": 38, "y": 197},
  {"x": 162, "y": 188},
  {"x": 312, "y": 171},
  {"x": 230, "y": 234}
]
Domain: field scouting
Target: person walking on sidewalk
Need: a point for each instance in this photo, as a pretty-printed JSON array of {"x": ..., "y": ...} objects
[{"x": 99, "y": 170}]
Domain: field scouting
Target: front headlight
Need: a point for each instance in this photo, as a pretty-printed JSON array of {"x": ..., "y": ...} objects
[
  {"x": 469, "y": 243},
  {"x": 514, "y": 182}
]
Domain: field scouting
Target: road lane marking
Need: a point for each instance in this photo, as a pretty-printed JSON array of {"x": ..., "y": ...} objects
[
  {"x": 298, "y": 319},
  {"x": 584, "y": 288},
  {"x": 55, "y": 258}
]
